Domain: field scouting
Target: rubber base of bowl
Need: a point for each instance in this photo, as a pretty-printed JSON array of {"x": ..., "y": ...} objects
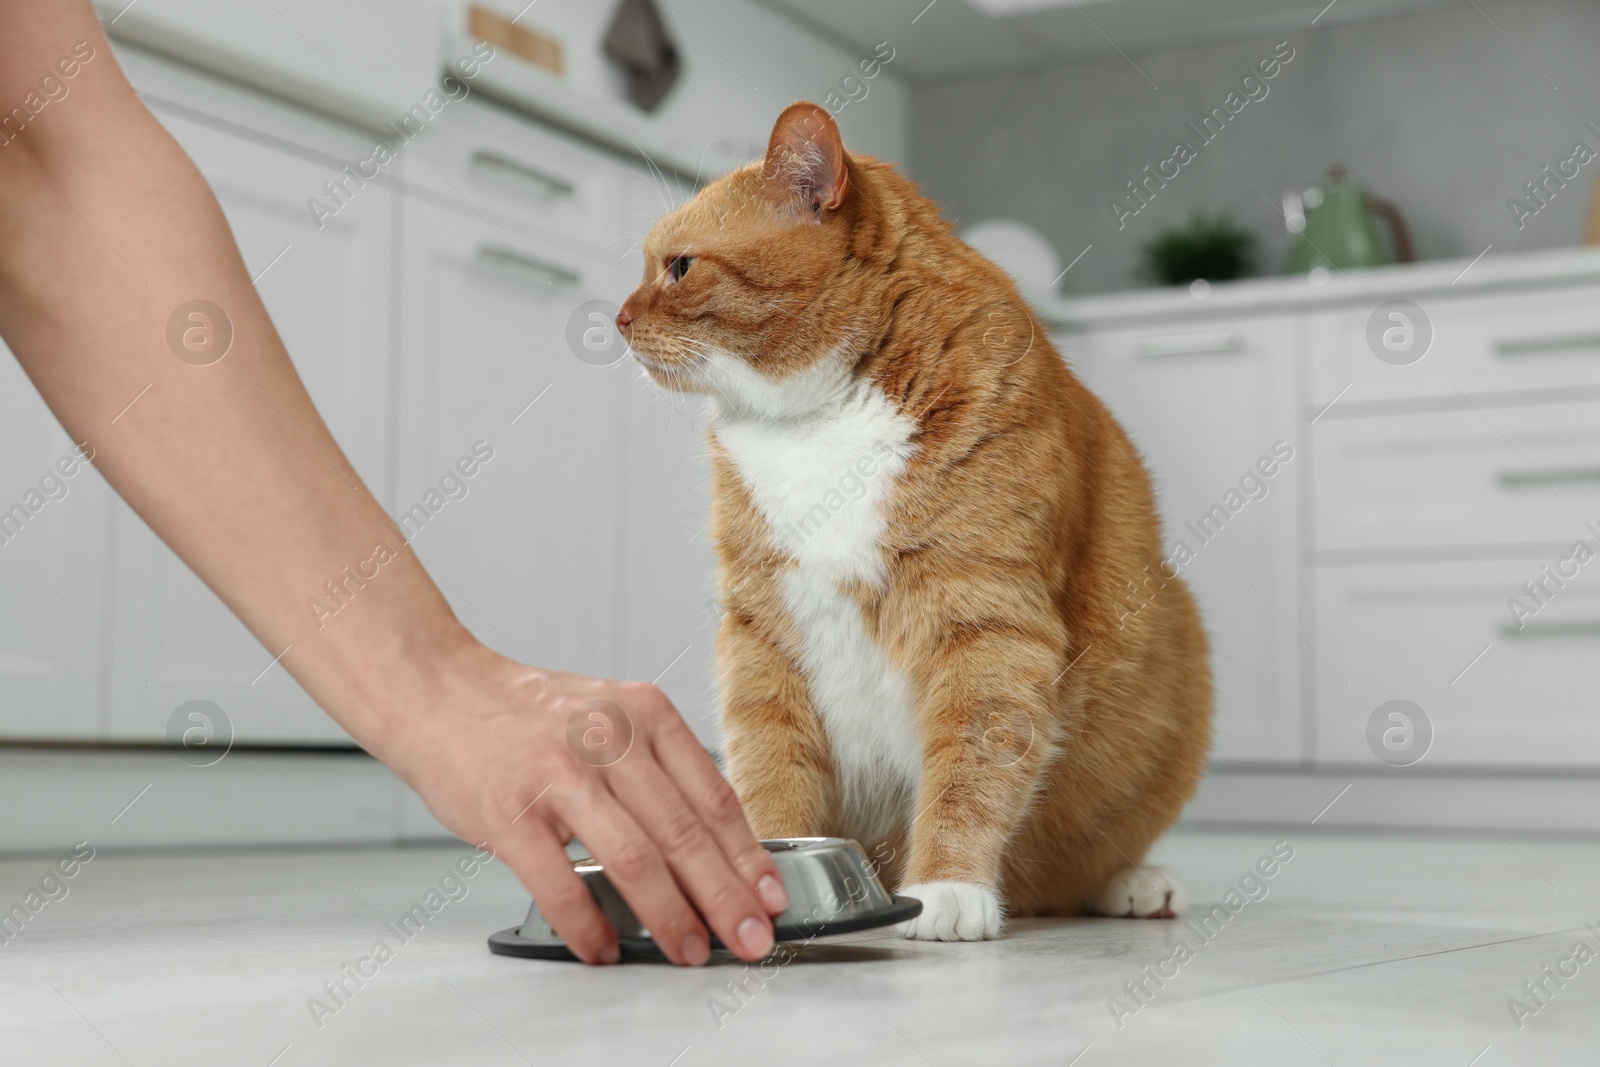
[{"x": 509, "y": 942}]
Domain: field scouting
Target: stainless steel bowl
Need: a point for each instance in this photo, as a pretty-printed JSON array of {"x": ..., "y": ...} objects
[{"x": 833, "y": 889}]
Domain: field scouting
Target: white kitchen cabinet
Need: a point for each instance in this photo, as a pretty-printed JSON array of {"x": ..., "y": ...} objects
[
  {"x": 742, "y": 63},
  {"x": 597, "y": 498},
  {"x": 422, "y": 332},
  {"x": 1204, "y": 403},
  {"x": 528, "y": 556},
  {"x": 328, "y": 293},
  {"x": 1496, "y": 689},
  {"x": 1432, "y": 484},
  {"x": 1500, "y": 343},
  {"x": 487, "y": 161},
  {"x": 1443, "y": 486},
  {"x": 53, "y": 652},
  {"x": 364, "y": 60},
  {"x": 423, "y": 323},
  {"x": 1473, "y": 478}
]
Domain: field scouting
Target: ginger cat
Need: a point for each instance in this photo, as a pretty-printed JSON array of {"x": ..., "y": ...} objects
[{"x": 929, "y": 533}]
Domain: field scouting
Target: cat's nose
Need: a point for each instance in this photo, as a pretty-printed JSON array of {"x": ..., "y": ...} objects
[{"x": 623, "y": 319}]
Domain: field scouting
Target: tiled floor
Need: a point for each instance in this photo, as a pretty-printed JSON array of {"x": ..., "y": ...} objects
[{"x": 1376, "y": 950}]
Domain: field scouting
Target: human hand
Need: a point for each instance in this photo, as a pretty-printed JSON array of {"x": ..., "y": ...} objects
[
  {"x": 238, "y": 465},
  {"x": 490, "y": 755}
]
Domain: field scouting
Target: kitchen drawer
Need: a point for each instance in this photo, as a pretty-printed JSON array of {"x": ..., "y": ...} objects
[
  {"x": 482, "y": 159},
  {"x": 1506, "y": 342},
  {"x": 1491, "y": 476},
  {"x": 1442, "y": 636}
]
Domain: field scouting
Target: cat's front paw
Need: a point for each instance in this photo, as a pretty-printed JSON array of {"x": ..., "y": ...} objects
[{"x": 952, "y": 911}]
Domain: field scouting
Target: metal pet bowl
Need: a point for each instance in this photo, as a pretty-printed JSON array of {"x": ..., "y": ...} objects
[{"x": 833, "y": 889}]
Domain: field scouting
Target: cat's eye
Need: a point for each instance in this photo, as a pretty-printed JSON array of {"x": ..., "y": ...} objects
[{"x": 678, "y": 266}]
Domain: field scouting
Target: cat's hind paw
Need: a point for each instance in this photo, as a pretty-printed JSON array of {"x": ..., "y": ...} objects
[
  {"x": 1141, "y": 893},
  {"x": 952, "y": 911}
]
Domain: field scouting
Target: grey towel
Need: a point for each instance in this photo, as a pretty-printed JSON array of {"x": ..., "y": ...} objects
[{"x": 638, "y": 40}]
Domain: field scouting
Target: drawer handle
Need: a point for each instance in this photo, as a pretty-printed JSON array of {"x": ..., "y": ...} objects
[
  {"x": 1543, "y": 346},
  {"x": 511, "y": 262},
  {"x": 1551, "y": 631},
  {"x": 1192, "y": 344},
  {"x": 1553, "y": 479},
  {"x": 547, "y": 186}
]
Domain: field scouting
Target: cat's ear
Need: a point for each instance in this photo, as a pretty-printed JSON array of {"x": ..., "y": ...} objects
[{"x": 805, "y": 160}]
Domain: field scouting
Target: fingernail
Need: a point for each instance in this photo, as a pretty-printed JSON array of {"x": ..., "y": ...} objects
[
  {"x": 611, "y": 953},
  {"x": 756, "y": 937},
  {"x": 772, "y": 894},
  {"x": 696, "y": 949}
]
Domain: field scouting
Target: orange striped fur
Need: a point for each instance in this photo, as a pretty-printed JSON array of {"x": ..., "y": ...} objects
[{"x": 1057, "y": 733}]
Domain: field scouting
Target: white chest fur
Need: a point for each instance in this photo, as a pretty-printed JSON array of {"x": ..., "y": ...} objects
[{"x": 821, "y": 480}]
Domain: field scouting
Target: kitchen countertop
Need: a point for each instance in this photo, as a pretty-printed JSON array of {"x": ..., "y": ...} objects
[
  {"x": 1362, "y": 950},
  {"x": 1460, "y": 276}
]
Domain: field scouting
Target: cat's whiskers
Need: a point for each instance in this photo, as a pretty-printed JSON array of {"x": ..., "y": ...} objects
[
  {"x": 621, "y": 233},
  {"x": 699, "y": 354},
  {"x": 663, "y": 187}
]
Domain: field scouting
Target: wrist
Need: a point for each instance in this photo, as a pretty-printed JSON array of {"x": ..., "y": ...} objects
[
  {"x": 416, "y": 713},
  {"x": 388, "y": 672}
]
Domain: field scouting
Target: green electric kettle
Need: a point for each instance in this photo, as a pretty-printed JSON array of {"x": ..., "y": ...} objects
[{"x": 1333, "y": 228}]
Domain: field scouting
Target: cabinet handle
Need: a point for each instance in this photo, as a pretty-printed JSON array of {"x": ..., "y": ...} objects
[
  {"x": 511, "y": 262},
  {"x": 547, "y": 186},
  {"x": 1544, "y": 346},
  {"x": 1549, "y": 479},
  {"x": 1192, "y": 344},
  {"x": 1550, "y": 631}
]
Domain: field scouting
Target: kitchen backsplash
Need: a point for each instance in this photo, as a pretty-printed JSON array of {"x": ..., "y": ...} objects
[{"x": 1449, "y": 113}]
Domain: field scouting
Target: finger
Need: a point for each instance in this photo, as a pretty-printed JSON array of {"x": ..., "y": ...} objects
[
  {"x": 635, "y": 866},
  {"x": 712, "y": 801},
  {"x": 728, "y": 901},
  {"x": 540, "y": 862}
]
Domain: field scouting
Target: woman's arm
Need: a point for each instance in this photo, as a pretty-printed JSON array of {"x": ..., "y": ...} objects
[{"x": 106, "y": 227}]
